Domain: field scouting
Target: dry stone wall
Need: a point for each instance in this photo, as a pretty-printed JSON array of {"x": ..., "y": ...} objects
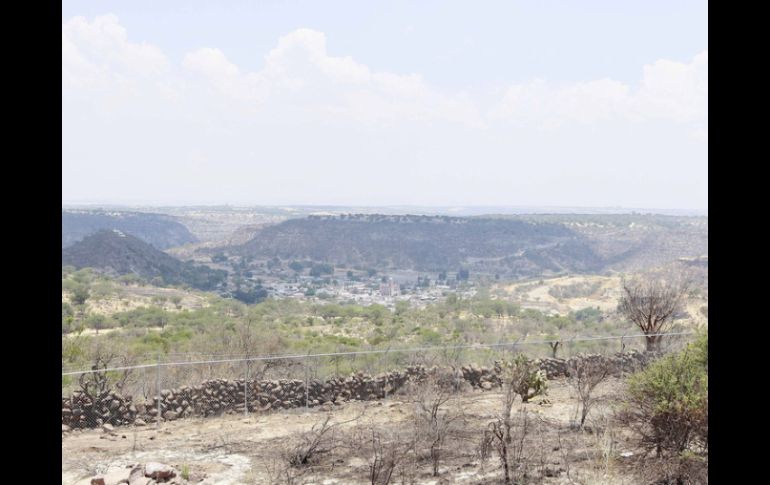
[{"x": 219, "y": 396}]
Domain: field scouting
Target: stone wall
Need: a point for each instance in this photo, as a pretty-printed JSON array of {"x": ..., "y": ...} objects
[{"x": 219, "y": 396}]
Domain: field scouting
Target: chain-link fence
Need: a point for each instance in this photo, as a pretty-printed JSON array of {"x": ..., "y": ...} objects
[{"x": 214, "y": 385}]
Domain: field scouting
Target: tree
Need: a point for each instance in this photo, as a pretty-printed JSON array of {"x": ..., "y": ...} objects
[
  {"x": 651, "y": 304},
  {"x": 296, "y": 266},
  {"x": 97, "y": 322},
  {"x": 67, "y": 318},
  {"x": 219, "y": 258},
  {"x": 321, "y": 269},
  {"x": 80, "y": 294}
]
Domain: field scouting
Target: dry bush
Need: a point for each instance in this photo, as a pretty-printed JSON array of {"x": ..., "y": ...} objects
[
  {"x": 510, "y": 440},
  {"x": 279, "y": 473},
  {"x": 308, "y": 448},
  {"x": 97, "y": 386},
  {"x": 388, "y": 453},
  {"x": 584, "y": 376},
  {"x": 686, "y": 469},
  {"x": 505, "y": 436},
  {"x": 435, "y": 420}
]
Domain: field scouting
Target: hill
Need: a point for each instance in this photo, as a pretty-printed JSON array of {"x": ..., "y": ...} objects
[
  {"x": 118, "y": 253},
  {"x": 427, "y": 243},
  {"x": 634, "y": 242},
  {"x": 159, "y": 230},
  {"x": 518, "y": 246}
]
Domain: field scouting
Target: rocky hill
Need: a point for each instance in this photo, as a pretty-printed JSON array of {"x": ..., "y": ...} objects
[
  {"x": 427, "y": 243},
  {"x": 159, "y": 230},
  {"x": 118, "y": 253},
  {"x": 505, "y": 245}
]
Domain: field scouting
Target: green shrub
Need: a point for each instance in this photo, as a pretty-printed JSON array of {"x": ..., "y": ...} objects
[
  {"x": 667, "y": 403},
  {"x": 523, "y": 377}
]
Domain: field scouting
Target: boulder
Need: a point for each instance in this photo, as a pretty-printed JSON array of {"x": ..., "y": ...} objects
[
  {"x": 158, "y": 471},
  {"x": 170, "y": 415},
  {"x": 136, "y": 477}
]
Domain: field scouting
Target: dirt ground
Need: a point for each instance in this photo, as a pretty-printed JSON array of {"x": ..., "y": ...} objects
[
  {"x": 134, "y": 296},
  {"x": 235, "y": 449},
  {"x": 536, "y": 296}
]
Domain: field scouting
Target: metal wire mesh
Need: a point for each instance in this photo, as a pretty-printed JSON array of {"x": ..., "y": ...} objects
[{"x": 197, "y": 385}]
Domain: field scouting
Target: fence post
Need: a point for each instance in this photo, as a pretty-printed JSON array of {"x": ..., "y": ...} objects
[
  {"x": 157, "y": 384},
  {"x": 387, "y": 372},
  {"x": 307, "y": 385},
  {"x": 246, "y": 391},
  {"x": 622, "y": 352}
]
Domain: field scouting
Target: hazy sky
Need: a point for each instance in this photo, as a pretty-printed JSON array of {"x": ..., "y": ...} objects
[{"x": 590, "y": 103}]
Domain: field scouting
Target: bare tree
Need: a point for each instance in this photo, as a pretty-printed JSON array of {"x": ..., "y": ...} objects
[
  {"x": 651, "y": 304},
  {"x": 584, "y": 375},
  {"x": 554, "y": 348}
]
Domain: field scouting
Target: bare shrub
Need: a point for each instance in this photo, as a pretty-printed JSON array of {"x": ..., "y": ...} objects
[
  {"x": 505, "y": 438},
  {"x": 387, "y": 453},
  {"x": 434, "y": 420},
  {"x": 584, "y": 376},
  {"x": 97, "y": 386},
  {"x": 312, "y": 445},
  {"x": 278, "y": 472}
]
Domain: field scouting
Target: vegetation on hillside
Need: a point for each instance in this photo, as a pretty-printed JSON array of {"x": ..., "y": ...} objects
[
  {"x": 120, "y": 253},
  {"x": 160, "y": 230}
]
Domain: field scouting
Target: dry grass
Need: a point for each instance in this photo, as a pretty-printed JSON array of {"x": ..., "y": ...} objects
[{"x": 234, "y": 449}]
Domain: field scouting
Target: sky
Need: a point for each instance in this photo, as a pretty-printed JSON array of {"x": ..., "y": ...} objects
[{"x": 432, "y": 103}]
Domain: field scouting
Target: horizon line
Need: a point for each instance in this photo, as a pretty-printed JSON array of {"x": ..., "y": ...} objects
[{"x": 454, "y": 207}]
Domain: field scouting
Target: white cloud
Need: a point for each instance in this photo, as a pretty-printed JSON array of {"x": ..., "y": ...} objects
[
  {"x": 300, "y": 77},
  {"x": 675, "y": 91},
  {"x": 668, "y": 90},
  {"x": 552, "y": 106},
  {"x": 300, "y": 72},
  {"x": 98, "y": 50},
  {"x": 311, "y": 126}
]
